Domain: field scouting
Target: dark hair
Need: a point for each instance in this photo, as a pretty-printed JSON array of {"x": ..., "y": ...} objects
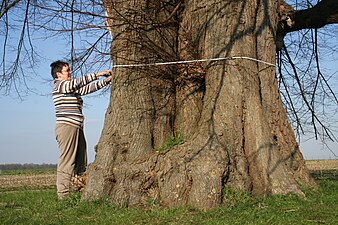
[{"x": 57, "y": 67}]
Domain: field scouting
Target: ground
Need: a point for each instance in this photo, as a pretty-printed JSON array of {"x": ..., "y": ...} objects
[{"x": 318, "y": 168}]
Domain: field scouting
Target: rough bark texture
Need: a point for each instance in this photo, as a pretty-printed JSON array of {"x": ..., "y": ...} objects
[{"x": 236, "y": 132}]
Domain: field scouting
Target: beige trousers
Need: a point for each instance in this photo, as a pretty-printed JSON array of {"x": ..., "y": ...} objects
[{"x": 72, "y": 158}]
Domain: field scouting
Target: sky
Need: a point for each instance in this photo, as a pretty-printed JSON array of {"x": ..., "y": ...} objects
[{"x": 27, "y": 125}]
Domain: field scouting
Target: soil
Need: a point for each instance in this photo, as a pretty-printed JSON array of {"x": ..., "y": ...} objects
[
  {"x": 27, "y": 181},
  {"x": 322, "y": 164}
]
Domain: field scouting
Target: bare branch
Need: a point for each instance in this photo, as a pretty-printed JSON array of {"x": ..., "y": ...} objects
[
  {"x": 308, "y": 105},
  {"x": 5, "y": 7},
  {"x": 324, "y": 13}
]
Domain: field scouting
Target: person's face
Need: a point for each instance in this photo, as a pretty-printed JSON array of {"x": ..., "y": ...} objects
[{"x": 65, "y": 73}]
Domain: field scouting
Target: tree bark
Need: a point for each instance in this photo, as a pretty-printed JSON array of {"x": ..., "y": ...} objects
[{"x": 235, "y": 129}]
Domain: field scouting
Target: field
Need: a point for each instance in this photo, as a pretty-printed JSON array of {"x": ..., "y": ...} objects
[
  {"x": 28, "y": 197},
  {"x": 46, "y": 178},
  {"x": 324, "y": 165}
]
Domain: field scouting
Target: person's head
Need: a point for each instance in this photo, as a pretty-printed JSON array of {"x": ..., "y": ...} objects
[{"x": 60, "y": 70}]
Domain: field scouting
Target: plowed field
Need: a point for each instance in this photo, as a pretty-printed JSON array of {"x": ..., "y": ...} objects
[{"x": 319, "y": 169}]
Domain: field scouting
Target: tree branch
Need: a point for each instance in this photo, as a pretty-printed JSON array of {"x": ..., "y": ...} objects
[
  {"x": 4, "y": 7},
  {"x": 324, "y": 13}
]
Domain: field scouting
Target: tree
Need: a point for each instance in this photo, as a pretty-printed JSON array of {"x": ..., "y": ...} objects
[
  {"x": 236, "y": 134},
  {"x": 236, "y": 131}
]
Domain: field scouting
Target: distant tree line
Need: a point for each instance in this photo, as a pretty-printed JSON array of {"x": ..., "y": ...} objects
[{"x": 17, "y": 166}]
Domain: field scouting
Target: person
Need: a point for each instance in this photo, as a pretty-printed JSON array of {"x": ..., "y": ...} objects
[{"x": 69, "y": 134}]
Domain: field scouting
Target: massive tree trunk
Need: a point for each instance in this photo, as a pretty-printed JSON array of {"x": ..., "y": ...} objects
[{"x": 235, "y": 129}]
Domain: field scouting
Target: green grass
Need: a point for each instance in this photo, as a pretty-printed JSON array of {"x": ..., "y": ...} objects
[
  {"x": 171, "y": 142},
  {"x": 41, "y": 207}
]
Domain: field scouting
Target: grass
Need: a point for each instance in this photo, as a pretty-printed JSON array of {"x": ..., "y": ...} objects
[
  {"x": 171, "y": 142},
  {"x": 42, "y": 207}
]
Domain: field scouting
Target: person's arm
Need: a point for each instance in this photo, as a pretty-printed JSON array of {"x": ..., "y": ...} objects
[
  {"x": 71, "y": 86},
  {"x": 105, "y": 73},
  {"x": 92, "y": 87}
]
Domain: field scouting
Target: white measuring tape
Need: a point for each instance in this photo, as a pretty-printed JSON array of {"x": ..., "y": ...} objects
[{"x": 191, "y": 61}]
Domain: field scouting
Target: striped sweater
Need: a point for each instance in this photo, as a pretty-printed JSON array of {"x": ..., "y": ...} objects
[{"x": 67, "y": 98}]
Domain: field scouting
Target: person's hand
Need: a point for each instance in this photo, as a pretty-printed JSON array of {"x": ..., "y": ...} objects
[
  {"x": 105, "y": 73},
  {"x": 108, "y": 79}
]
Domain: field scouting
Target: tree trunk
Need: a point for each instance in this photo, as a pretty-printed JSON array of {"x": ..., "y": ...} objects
[{"x": 235, "y": 129}]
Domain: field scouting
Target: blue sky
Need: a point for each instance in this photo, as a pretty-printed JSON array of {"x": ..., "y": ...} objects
[{"x": 27, "y": 127}]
